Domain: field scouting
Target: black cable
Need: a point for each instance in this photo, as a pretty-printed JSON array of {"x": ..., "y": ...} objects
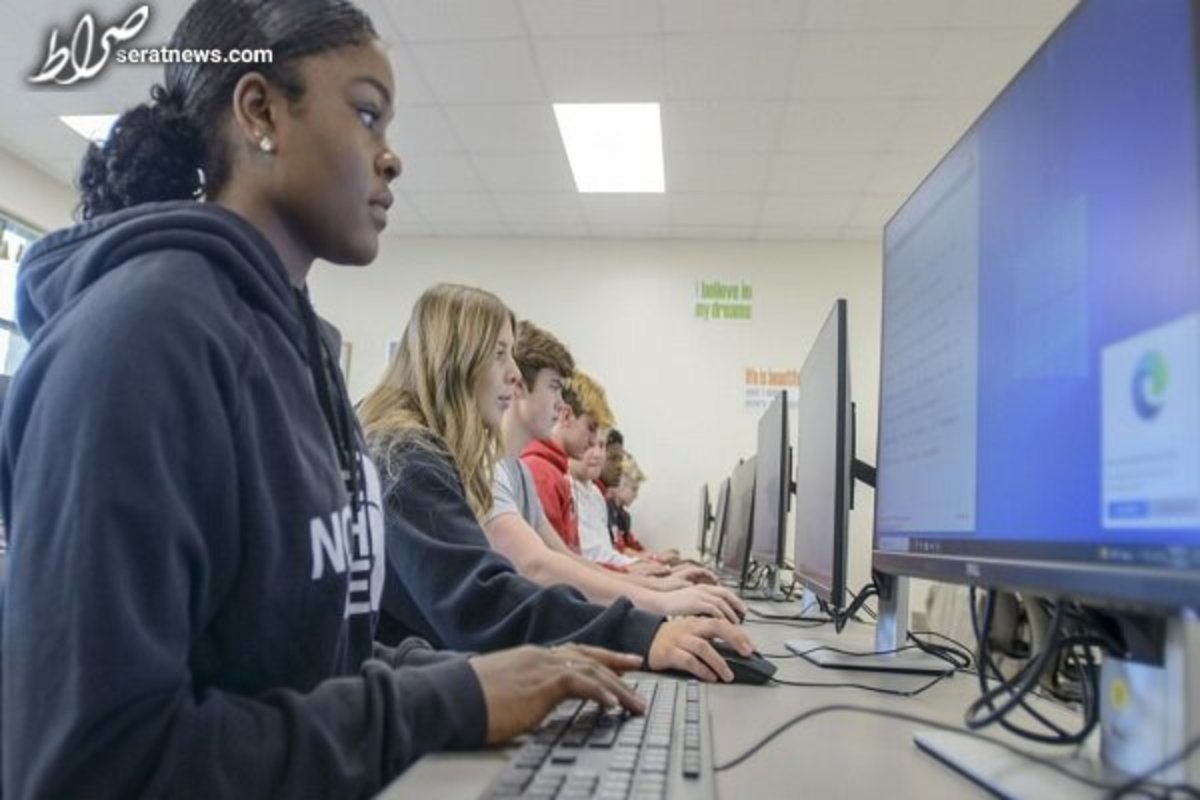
[
  {"x": 1005, "y": 685},
  {"x": 795, "y": 617},
  {"x": 1116, "y": 790}
]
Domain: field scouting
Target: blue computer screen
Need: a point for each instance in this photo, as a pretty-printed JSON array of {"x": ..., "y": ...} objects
[{"x": 1041, "y": 318}]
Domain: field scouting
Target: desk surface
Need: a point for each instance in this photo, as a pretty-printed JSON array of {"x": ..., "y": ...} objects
[{"x": 830, "y": 755}]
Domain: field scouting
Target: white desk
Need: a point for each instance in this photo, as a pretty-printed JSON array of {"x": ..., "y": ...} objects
[{"x": 832, "y": 755}]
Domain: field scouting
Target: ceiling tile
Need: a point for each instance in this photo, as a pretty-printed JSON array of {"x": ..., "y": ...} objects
[
  {"x": 411, "y": 87},
  {"x": 603, "y": 69},
  {"x": 714, "y": 209},
  {"x": 741, "y": 66},
  {"x": 932, "y": 127},
  {"x": 870, "y": 234},
  {"x": 866, "y": 15},
  {"x": 42, "y": 139},
  {"x": 541, "y": 172},
  {"x": 810, "y": 210},
  {"x": 456, "y": 20},
  {"x": 630, "y": 231},
  {"x": 407, "y": 229},
  {"x": 472, "y": 229},
  {"x": 721, "y": 126},
  {"x": 624, "y": 209},
  {"x": 450, "y": 207},
  {"x": 506, "y": 128},
  {"x": 549, "y": 230},
  {"x": 872, "y": 210},
  {"x": 713, "y": 232},
  {"x": 977, "y": 64},
  {"x": 897, "y": 173},
  {"x": 534, "y": 208},
  {"x": 714, "y": 172},
  {"x": 863, "y": 65},
  {"x": 434, "y": 173},
  {"x": 402, "y": 212},
  {"x": 727, "y": 16},
  {"x": 822, "y": 126},
  {"x": 591, "y": 17},
  {"x": 808, "y": 174},
  {"x": 800, "y": 233},
  {"x": 480, "y": 72},
  {"x": 1042, "y": 15},
  {"x": 421, "y": 131}
]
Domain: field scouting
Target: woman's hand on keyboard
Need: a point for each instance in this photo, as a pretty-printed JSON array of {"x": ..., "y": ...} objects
[
  {"x": 683, "y": 644},
  {"x": 522, "y": 685}
]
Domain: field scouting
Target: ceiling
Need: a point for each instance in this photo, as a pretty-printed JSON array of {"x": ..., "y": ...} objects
[{"x": 782, "y": 119}]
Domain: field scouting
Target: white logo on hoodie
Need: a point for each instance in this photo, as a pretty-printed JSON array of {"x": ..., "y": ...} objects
[{"x": 341, "y": 543}]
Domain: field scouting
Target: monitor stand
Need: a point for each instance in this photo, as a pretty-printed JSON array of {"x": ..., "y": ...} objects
[
  {"x": 1148, "y": 713},
  {"x": 891, "y": 634}
]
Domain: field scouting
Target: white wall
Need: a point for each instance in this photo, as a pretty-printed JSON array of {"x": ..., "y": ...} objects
[
  {"x": 33, "y": 197},
  {"x": 625, "y": 308}
]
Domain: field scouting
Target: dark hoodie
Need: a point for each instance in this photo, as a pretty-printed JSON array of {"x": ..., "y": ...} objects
[{"x": 190, "y": 595}]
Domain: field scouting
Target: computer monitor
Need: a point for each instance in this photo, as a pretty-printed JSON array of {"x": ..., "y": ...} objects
[
  {"x": 1039, "y": 421},
  {"x": 718, "y": 522},
  {"x": 705, "y": 519},
  {"x": 824, "y": 463},
  {"x": 739, "y": 515},
  {"x": 772, "y": 485}
]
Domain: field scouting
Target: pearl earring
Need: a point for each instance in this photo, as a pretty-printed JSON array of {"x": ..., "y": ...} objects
[{"x": 266, "y": 145}]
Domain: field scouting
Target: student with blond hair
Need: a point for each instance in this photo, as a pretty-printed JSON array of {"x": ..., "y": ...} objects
[
  {"x": 432, "y": 425},
  {"x": 620, "y": 497},
  {"x": 517, "y": 526}
]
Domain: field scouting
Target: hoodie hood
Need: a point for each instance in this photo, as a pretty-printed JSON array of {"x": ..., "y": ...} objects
[
  {"x": 65, "y": 264},
  {"x": 546, "y": 450}
]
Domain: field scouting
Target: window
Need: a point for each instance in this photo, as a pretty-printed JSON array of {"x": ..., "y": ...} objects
[{"x": 15, "y": 239}]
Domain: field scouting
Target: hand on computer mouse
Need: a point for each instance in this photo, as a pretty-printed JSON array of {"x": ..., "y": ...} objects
[{"x": 683, "y": 644}]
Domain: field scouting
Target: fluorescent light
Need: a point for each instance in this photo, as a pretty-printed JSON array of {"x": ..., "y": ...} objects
[
  {"x": 93, "y": 127},
  {"x": 613, "y": 147}
]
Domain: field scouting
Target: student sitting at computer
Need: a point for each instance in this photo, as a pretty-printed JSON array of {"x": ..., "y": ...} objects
[
  {"x": 191, "y": 584},
  {"x": 433, "y": 426},
  {"x": 583, "y": 417},
  {"x": 620, "y": 496},
  {"x": 516, "y": 525},
  {"x": 595, "y": 538}
]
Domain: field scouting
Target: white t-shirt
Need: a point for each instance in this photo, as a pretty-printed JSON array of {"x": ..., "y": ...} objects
[
  {"x": 595, "y": 544},
  {"x": 513, "y": 492}
]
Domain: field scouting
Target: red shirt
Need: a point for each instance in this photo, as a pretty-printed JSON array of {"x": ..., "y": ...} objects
[{"x": 547, "y": 463}]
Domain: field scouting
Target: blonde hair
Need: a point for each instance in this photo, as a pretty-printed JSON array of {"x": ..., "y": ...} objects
[
  {"x": 630, "y": 469},
  {"x": 427, "y": 395},
  {"x": 591, "y": 399}
]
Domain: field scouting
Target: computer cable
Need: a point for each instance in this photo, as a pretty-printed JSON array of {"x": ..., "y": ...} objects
[
  {"x": 1141, "y": 783},
  {"x": 996, "y": 703},
  {"x": 790, "y": 617},
  {"x": 840, "y": 618}
]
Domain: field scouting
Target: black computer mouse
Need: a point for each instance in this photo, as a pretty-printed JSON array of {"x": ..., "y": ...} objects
[{"x": 746, "y": 669}]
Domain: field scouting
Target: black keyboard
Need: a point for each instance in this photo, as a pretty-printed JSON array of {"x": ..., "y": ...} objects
[{"x": 582, "y": 752}]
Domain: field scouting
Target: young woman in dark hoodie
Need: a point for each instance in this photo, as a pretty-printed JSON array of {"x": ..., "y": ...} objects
[{"x": 196, "y": 544}]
